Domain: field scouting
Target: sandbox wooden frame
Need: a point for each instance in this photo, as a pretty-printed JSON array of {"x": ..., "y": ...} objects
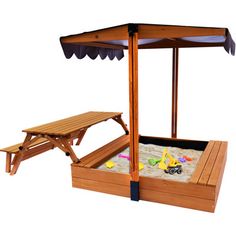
[
  {"x": 202, "y": 190},
  {"x": 200, "y": 193}
]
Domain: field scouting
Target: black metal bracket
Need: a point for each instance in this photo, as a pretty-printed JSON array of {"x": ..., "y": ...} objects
[
  {"x": 132, "y": 28},
  {"x": 134, "y": 191},
  {"x": 126, "y": 132}
]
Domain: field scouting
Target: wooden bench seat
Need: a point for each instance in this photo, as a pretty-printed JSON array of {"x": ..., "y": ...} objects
[
  {"x": 39, "y": 146},
  {"x": 15, "y": 148}
]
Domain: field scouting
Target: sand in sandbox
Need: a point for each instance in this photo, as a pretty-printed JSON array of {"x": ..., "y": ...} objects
[{"x": 148, "y": 151}]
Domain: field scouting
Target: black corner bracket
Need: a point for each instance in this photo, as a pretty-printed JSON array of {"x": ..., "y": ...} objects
[
  {"x": 132, "y": 28},
  {"x": 126, "y": 132},
  {"x": 134, "y": 191}
]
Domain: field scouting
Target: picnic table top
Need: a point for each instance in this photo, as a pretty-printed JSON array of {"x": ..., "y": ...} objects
[{"x": 72, "y": 124}]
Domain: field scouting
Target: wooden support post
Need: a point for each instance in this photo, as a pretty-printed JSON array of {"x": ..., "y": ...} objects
[
  {"x": 133, "y": 106},
  {"x": 174, "y": 93},
  {"x": 8, "y": 162},
  {"x": 19, "y": 156}
]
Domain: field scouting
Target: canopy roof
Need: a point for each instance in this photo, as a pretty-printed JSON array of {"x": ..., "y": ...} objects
[{"x": 112, "y": 41}]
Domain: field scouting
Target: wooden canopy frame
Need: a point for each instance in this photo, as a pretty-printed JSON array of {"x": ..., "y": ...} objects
[{"x": 143, "y": 36}]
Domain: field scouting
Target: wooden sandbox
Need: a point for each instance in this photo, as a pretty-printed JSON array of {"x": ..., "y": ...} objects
[{"x": 200, "y": 193}]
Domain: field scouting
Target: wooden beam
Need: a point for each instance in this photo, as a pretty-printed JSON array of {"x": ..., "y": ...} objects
[
  {"x": 8, "y": 162},
  {"x": 37, "y": 150},
  {"x": 133, "y": 106},
  {"x": 169, "y": 31},
  {"x": 114, "y": 33},
  {"x": 56, "y": 143},
  {"x": 19, "y": 156},
  {"x": 174, "y": 93},
  {"x": 73, "y": 156},
  {"x": 80, "y": 136}
]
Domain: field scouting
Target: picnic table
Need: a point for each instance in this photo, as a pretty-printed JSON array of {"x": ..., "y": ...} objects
[{"x": 58, "y": 134}]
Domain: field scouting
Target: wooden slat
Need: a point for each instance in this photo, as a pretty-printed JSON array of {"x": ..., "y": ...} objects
[
  {"x": 37, "y": 150},
  {"x": 99, "y": 175},
  {"x": 176, "y": 187},
  {"x": 117, "y": 143},
  {"x": 116, "y": 189},
  {"x": 15, "y": 148},
  {"x": 72, "y": 124},
  {"x": 221, "y": 157},
  {"x": 107, "y": 154},
  {"x": 201, "y": 163},
  {"x": 178, "y": 200},
  {"x": 209, "y": 164},
  {"x": 114, "y": 33},
  {"x": 64, "y": 123},
  {"x": 218, "y": 169},
  {"x": 168, "y": 31}
]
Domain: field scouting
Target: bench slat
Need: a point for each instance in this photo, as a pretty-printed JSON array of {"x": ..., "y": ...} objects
[
  {"x": 210, "y": 163},
  {"x": 15, "y": 148}
]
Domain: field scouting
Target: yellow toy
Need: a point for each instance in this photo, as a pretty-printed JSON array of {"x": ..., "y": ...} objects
[
  {"x": 173, "y": 166},
  {"x": 109, "y": 164},
  {"x": 140, "y": 165}
]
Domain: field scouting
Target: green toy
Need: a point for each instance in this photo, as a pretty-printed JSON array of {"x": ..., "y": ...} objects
[{"x": 153, "y": 161}]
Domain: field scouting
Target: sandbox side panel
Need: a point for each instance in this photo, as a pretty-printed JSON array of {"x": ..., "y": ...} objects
[
  {"x": 178, "y": 200},
  {"x": 100, "y": 181},
  {"x": 175, "y": 187},
  {"x": 100, "y": 175},
  {"x": 98, "y": 186}
]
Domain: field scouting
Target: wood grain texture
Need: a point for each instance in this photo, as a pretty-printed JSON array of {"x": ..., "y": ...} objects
[
  {"x": 100, "y": 155},
  {"x": 133, "y": 106},
  {"x": 176, "y": 187},
  {"x": 15, "y": 148},
  {"x": 113, "y": 33},
  {"x": 116, "y": 189},
  {"x": 218, "y": 169},
  {"x": 72, "y": 124},
  {"x": 168, "y": 31},
  {"x": 202, "y": 162},
  {"x": 206, "y": 172},
  {"x": 37, "y": 150},
  {"x": 99, "y": 175},
  {"x": 8, "y": 162},
  {"x": 178, "y": 200}
]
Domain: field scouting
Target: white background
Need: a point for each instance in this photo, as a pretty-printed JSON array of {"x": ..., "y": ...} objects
[{"x": 38, "y": 84}]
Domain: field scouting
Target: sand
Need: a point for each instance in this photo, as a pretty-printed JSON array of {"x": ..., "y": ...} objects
[{"x": 147, "y": 151}]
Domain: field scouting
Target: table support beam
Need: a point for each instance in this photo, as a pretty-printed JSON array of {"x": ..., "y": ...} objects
[{"x": 119, "y": 120}]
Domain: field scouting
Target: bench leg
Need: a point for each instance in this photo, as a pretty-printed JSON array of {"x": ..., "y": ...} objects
[{"x": 8, "y": 162}]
